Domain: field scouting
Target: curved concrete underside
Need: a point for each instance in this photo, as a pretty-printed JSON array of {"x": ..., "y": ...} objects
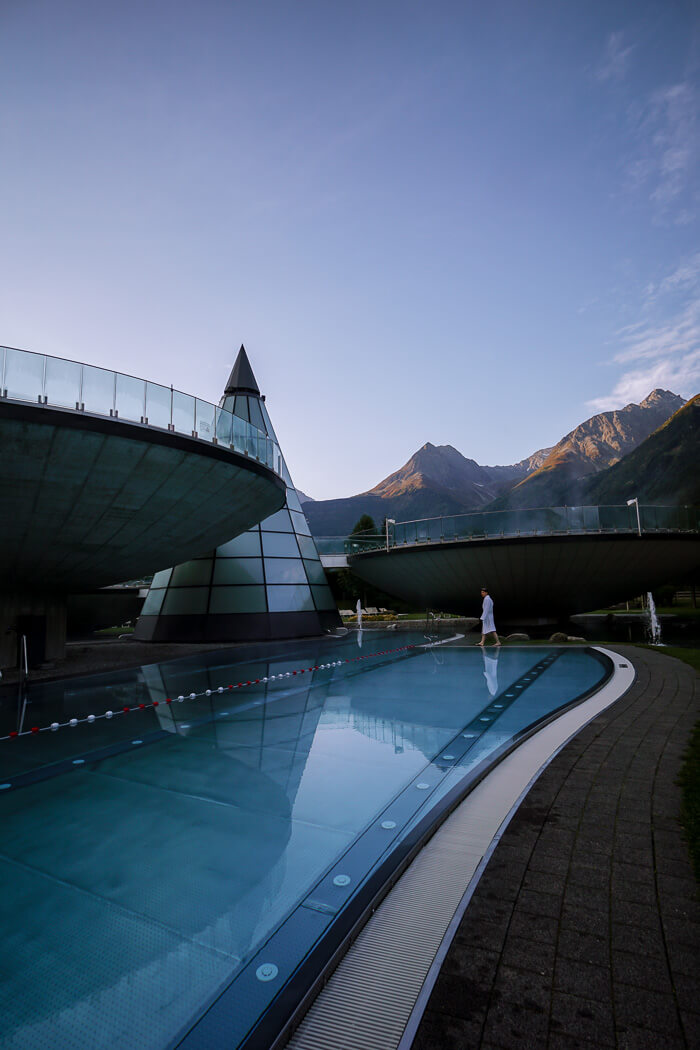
[
  {"x": 88, "y": 501},
  {"x": 531, "y": 577}
]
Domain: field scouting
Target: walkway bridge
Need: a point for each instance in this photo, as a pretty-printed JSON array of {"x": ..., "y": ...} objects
[{"x": 543, "y": 563}]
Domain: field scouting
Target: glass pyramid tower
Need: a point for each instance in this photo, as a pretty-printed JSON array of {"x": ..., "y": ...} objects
[{"x": 265, "y": 583}]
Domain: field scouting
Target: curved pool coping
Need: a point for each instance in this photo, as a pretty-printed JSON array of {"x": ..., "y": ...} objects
[
  {"x": 377, "y": 994},
  {"x": 283, "y": 1013}
]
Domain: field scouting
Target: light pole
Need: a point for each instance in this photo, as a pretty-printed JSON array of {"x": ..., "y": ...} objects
[
  {"x": 388, "y": 522},
  {"x": 636, "y": 503}
]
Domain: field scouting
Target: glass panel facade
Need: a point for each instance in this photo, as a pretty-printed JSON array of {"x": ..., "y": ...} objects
[
  {"x": 284, "y": 570},
  {"x": 293, "y": 501},
  {"x": 255, "y": 414},
  {"x": 162, "y": 578},
  {"x": 237, "y": 600},
  {"x": 238, "y": 570},
  {"x": 191, "y": 573},
  {"x": 301, "y": 525},
  {"x": 279, "y": 522},
  {"x": 280, "y": 545},
  {"x": 290, "y": 599},
  {"x": 247, "y": 545},
  {"x": 307, "y": 547},
  {"x": 153, "y": 602},
  {"x": 180, "y": 601},
  {"x": 268, "y": 422},
  {"x": 241, "y": 407},
  {"x": 323, "y": 598},
  {"x": 314, "y": 571}
]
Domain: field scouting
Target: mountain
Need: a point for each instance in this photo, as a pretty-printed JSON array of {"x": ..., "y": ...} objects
[
  {"x": 594, "y": 445},
  {"x": 438, "y": 479},
  {"x": 303, "y": 498},
  {"x": 444, "y": 469},
  {"x": 665, "y": 468}
]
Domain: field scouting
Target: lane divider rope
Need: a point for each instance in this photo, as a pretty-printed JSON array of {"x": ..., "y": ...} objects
[{"x": 90, "y": 719}]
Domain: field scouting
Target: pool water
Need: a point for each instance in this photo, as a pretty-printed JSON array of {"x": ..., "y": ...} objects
[{"x": 166, "y": 872}]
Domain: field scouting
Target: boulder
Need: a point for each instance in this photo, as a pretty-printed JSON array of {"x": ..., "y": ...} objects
[
  {"x": 558, "y": 636},
  {"x": 576, "y": 638},
  {"x": 518, "y": 637}
]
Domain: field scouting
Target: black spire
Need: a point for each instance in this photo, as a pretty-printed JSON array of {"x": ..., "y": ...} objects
[{"x": 242, "y": 380}]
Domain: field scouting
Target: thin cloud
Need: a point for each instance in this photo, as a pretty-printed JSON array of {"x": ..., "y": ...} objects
[
  {"x": 664, "y": 351},
  {"x": 677, "y": 335},
  {"x": 681, "y": 377},
  {"x": 666, "y": 130},
  {"x": 615, "y": 60}
]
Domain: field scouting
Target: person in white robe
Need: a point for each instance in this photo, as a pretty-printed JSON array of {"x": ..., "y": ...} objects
[{"x": 487, "y": 624}]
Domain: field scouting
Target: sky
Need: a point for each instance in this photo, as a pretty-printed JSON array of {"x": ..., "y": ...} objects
[{"x": 465, "y": 223}]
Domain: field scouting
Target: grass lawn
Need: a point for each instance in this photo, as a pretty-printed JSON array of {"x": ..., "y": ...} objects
[
  {"x": 689, "y": 781},
  {"x": 683, "y": 612},
  {"x": 688, "y": 656},
  {"x": 689, "y": 777}
]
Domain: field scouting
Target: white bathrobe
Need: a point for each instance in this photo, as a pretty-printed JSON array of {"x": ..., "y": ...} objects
[{"x": 487, "y": 624}]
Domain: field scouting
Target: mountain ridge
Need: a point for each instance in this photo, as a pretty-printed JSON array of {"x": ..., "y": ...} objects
[
  {"x": 592, "y": 446},
  {"x": 438, "y": 479}
]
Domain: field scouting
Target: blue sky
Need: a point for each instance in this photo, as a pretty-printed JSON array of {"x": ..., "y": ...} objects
[{"x": 465, "y": 223}]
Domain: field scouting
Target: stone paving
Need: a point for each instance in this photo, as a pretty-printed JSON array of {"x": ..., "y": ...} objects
[{"x": 584, "y": 930}]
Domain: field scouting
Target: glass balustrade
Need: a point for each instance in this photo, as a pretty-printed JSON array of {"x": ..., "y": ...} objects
[
  {"x": 54, "y": 381},
  {"x": 541, "y": 521}
]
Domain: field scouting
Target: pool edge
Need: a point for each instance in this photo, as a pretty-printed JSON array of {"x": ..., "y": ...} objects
[{"x": 363, "y": 1007}]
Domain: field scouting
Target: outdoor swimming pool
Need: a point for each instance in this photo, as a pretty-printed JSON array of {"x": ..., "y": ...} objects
[{"x": 173, "y": 874}]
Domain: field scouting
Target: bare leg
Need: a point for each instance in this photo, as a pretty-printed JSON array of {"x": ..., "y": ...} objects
[{"x": 482, "y": 642}]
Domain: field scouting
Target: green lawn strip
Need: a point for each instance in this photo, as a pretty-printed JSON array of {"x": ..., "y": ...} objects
[
  {"x": 683, "y": 612},
  {"x": 689, "y": 776},
  {"x": 688, "y": 656},
  {"x": 689, "y": 780}
]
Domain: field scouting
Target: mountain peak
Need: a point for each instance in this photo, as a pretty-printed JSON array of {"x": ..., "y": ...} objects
[{"x": 660, "y": 396}]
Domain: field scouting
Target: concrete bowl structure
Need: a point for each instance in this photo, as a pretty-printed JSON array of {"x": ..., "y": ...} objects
[
  {"x": 531, "y": 578},
  {"x": 88, "y": 501},
  {"x": 91, "y": 499}
]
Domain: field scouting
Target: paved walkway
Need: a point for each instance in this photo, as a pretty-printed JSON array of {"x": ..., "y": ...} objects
[{"x": 584, "y": 930}]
